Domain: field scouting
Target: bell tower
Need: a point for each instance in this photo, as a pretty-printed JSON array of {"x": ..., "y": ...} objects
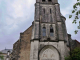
[
  {"x": 48, "y": 22},
  {"x": 49, "y": 30}
]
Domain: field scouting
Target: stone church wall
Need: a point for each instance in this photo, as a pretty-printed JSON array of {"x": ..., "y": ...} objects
[
  {"x": 25, "y": 44},
  {"x": 16, "y": 51},
  {"x": 75, "y": 44},
  {"x": 21, "y": 48}
]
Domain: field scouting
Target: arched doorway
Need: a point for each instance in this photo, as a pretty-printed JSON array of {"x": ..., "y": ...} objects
[{"x": 49, "y": 53}]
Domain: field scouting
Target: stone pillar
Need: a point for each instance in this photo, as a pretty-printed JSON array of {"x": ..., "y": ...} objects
[
  {"x": 65, "y": 31},
  {"x": 37, "y": 11},
  {"x": 37, "y": 0},
  {"x": 58, "y": 15},
  {"x": 54, "y": 14},
  {"x": 36, "y": 33},
  {"x": 31, "y": 51},
  {"x": 55, "y": 1},
  {"x": 60, "y": 31},
  {"x": 61, "y": 48},
  {"x": 32, "y": 31},
  {"x": 35, "y": 52}
]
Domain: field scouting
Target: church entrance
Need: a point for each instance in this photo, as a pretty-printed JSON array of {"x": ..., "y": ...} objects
[{"x": 49, "y": 53}]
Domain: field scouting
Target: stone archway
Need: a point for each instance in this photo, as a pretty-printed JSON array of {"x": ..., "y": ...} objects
[{"x": 49, "y": 53}]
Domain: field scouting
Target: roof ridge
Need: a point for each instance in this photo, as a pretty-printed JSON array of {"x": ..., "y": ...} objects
[{"x": 78, "y": 41}]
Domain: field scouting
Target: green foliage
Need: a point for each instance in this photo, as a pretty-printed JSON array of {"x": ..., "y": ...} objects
[
  {"x": 1, "y": 56},
  {"x": 73, "y": 11},
  {"x": 75, "y": 55},
  {"x": 76, "y": 14},
  {"x": 79, "y": 11},
  {"x": 77, "y": 0},
  {"x": 0, "y": 52},
  {"x": 70, "y": 16},
  {"x": 68, "y": 58},
  {"x": 76, "y": 31},
  {"x": 74, "y": 21}
]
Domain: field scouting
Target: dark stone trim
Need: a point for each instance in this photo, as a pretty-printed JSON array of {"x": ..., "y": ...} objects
[
  {"x": 36, "y": 20},
  {"x": 56, "y": 3},
  {"x": 63, "y": 17},
  {"x": 36, "y": 4},
  {"x": 33, "y": 23},
  {"x": 21, "y": 33},
  {"x": 49, "y": 41},
  {"x": 60, "y": 21},
  {"x": 47, "y": 3},
  {"x": 68, "y": 45},
  {"x": 52, "y": 40},
  {"x": 35, "y": 40},
  {"x": 48, "y": 22},
  {"x": 63, "y": 40},
  {"x": 31, "y": 40}
]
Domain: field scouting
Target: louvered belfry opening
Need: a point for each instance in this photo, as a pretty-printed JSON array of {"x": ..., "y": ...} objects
[
  {"x": 44, "y": 31},
  {"x": 49, "y": 0},
  {"x": 51, "y": 31},
  {"x": 43, "y": 0}
]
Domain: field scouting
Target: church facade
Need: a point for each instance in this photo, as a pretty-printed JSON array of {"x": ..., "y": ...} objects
[
  {"x": 46, "y": 38},
  {"x": 49, "y": 37}
]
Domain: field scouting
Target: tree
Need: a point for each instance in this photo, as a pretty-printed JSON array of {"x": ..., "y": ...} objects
[
  {"x": 1, "y": 56},
  {"x": 75, "y": 55},
  {"x": 76, "y": 14},
  {"x": 68, "y": 58}
]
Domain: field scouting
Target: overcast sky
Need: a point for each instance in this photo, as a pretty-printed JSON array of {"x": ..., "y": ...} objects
[{"x": 17, "y": 15}]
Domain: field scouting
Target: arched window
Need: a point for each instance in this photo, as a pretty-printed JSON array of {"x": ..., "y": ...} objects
[
  {"x": 43, "y": 0},
  {"x": 51, "y": 31},
  {"x": 50, "y": 11},
  {"x": 49, "y": 0},
  {"x": 44, "y": 31},
  {"x": 44, "y": 10}
]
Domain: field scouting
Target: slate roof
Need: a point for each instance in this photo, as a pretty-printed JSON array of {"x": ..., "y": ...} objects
[{"x": 6, "y": 50}]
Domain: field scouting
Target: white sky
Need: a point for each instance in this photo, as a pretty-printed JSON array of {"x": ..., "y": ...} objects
[{"x": 17, "y": 15}]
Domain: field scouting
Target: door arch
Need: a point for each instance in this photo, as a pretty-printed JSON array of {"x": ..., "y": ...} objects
[{"x": 49, "y": 53}]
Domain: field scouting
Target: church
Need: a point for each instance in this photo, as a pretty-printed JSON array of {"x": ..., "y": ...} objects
[{"x": 46, "y": 38}]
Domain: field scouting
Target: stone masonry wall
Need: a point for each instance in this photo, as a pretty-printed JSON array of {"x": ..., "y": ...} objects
[
  {"x": 21, "y": 48},
  {"x": 16, "y": 50},
  {"x": 25, "y": 44}
]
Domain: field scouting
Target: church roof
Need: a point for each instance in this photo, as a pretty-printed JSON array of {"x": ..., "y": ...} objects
[{"x": 6, "y": 50}]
